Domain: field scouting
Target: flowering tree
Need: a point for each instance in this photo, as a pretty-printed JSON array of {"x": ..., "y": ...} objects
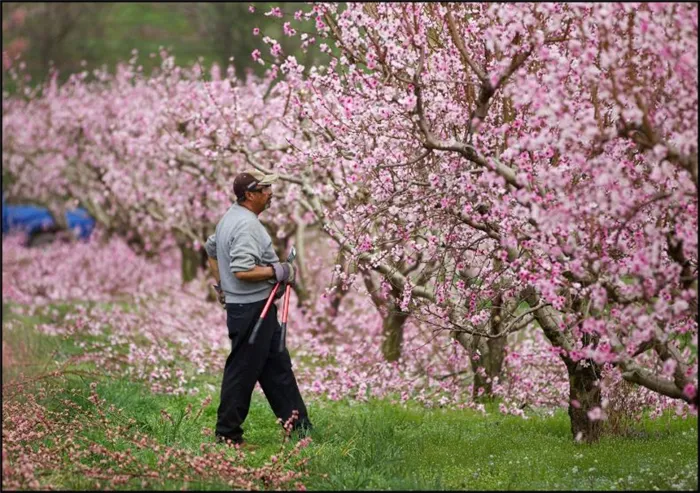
[
  {"x": 153, "y": 158},
  {"x": 546, "y": 154},
  {"x": 149, "y": 157},
  {"x": 96, "y": 143}
]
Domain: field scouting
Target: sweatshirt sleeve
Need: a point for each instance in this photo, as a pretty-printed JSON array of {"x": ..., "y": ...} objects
[
  {"x": 245, "y": 253},
  {"x": 210, "y": 246}
]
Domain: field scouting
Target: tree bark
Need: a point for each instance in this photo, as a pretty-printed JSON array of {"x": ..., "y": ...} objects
[
  {"x": 393, "y": 319},
  {"x": 584, "y": 395},
  {"x": 392, "y": 326},
  {"x": 338, "y": 293},
  {"x": 191, "y": 259},
  {"x": 489, "y": 364},
  {"x": 584, "y": 391},
  {"x": 492, "y": 355},
  {"x": 392, "y": 330}
]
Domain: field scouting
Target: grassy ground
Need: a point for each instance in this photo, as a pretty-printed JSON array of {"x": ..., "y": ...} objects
[{"x": 374, "y": 445}]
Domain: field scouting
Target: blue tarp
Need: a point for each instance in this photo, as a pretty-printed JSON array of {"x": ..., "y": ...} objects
[{"x": 32, "y": 219}]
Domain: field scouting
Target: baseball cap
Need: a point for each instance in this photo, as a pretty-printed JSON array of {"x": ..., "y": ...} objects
[{"x": 250, "y": 179}]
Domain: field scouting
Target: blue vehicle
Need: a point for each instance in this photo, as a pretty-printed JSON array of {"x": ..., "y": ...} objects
[{"x": 38, "y": 225}]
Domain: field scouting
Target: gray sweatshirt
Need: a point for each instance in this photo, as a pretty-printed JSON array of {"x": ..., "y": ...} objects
[{"x": 240, "y": 243}]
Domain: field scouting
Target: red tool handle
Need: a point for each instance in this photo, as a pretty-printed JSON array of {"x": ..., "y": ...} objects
[
  {"x": 254, "y": 334},
  {"x": 285, "y": 312}
]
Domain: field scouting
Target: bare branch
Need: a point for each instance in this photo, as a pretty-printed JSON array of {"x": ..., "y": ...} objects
[
  {"x": 372, "y": 289},
  {"x": 409, "y": 163},
  {"x": 466, "y": 150},
  {"x": 456, "y": 38},
  {"x": 514, "y": 326},
  {"x": 257, "y": 165},
  {"x": 635, "y": 374}
]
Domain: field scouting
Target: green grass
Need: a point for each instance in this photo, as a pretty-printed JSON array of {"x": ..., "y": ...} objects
[{"x": 377, "y": 445}]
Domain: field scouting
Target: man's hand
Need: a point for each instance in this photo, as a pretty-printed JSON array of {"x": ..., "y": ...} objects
[
  {"x": 284, "y": 272},
  {"x": 220, "y": 294}
]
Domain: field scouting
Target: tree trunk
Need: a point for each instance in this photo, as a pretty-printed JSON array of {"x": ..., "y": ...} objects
[
  {"x": 392, "y": 330},
  {"x": 489, "y": 363},
  {"x": 487, "y": 366},
  {"x": 334, "y": 305},
  {"x": 491, "y": 360},
  {"x": 338, "y": 293},
  {"x": 190, "y": 262},
  {"x": 584, "y": 396},
  {"x": 58, "y": 214},
  {"x": 584, "y": 391},
  {"x": 393, "y": 318}
]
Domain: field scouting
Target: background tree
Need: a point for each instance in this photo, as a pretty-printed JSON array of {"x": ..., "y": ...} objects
[
  {"x": 228, "y": 28},
  {"x": 152, "y": 159},
  {"x": 53, "y": 35},
  {"x": 74, "y": 35}
]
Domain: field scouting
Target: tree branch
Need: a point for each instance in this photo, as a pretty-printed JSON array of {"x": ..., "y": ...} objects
[{"x": 454, "y": 33}]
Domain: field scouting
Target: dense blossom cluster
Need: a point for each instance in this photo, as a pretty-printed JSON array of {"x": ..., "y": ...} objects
[
  {"x": 148, "y": 336},
  {"x": 101, "y": 269},
  {"x": 138, "y": 152}
]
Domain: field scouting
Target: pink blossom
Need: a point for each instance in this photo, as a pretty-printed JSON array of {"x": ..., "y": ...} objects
[
  {"x": 596, "y": 414},
  {"x": 276, "y": 49},
  {"x": 689, "y": 390},
  {"x": 669, "y": 367},
  {"x": 287, "y": 29},
  {"x": 275, "y": 12}
]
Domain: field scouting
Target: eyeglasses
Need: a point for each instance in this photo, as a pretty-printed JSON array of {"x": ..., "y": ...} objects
[{"x": 262, "y": 188}]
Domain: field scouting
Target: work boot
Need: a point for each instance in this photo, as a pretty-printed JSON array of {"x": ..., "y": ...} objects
[{"x": 302, "y": 430}]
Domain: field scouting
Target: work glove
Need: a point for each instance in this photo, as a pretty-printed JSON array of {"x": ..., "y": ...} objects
[
  {"x": 220, "y": 294},
  {"x": 284, "y": 272}
]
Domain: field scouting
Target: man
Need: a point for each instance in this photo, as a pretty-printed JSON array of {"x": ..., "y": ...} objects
[{"x": 246, "y": 268}]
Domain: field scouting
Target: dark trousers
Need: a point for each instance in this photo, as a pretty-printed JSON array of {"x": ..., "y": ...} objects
[{"x": 258, "y": 362}]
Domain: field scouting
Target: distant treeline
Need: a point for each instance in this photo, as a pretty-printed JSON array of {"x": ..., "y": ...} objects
[{"x": 74, "y": 36}]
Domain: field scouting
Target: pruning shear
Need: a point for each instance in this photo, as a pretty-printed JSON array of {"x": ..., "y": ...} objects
[{"x": 285, "y": 307}]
